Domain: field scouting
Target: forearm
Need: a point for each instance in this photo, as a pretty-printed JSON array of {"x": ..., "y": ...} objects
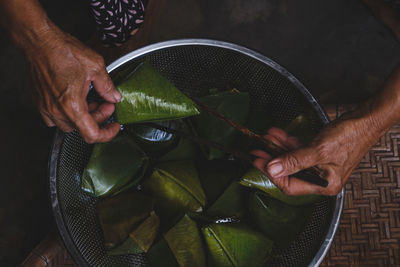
[
  {"x": 382, "y": 110},
  {"x": 26, "y": 22}
]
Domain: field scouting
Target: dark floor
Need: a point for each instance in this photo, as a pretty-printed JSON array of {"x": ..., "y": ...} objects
[{"x": 336, "y": 48}]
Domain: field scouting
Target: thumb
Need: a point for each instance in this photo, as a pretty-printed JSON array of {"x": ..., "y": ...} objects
[{"x": 292, "y": 162}]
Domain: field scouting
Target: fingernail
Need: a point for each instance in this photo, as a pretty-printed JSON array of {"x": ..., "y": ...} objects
[
  {"x": 275, "y": 168},
  {"x": 117, "y": 96}
]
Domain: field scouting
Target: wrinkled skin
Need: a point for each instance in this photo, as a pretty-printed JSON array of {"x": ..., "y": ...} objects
[
  {"x": 338, "y": 148},
  {"x": 62, "y": 69}
]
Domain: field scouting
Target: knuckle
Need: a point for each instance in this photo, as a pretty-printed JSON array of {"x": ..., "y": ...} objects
[
  {"x": 291, "y": 161},
  {"x": 91, "y": 137},
  {"x": 99, "y": 62},
  {"x": 334, "y": 188}
]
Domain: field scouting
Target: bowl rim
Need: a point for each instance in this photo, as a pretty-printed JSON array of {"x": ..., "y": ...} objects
[{"x": 59, "y": 138}]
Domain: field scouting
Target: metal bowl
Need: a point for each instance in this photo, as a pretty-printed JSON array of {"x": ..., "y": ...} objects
[{"x": 194, "y": 66}]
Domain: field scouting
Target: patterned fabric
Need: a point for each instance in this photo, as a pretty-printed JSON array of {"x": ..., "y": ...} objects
[{"x": 117, "y": 19}]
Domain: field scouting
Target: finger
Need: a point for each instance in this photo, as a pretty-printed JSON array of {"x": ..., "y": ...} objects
[
  {"x": 292, "y": 162},
  {"x": 105, "y": 87},
  {"x": 261, "y": 154},
  {"x": 91, "y": 131},
  {"x": 93, "y": 106},
  {"x": 64, "y": 125},
  {"x": 290, "y": 142},
  {"x": 294, "y": 186},
  {"x": 102, "y": 112},
  {"x": 47, "y": 120}
]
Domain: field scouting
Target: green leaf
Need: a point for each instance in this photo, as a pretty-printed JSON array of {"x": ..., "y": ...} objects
[
  {"x": 233, "y": 105},
  {"x": 120, "y": 214},
  {"x": 128, "y": 247},
  {"x": 232, "y": 203},
  {"x": 277, "y": 220},
  {"x": 160, "y": 255},
  {"x": 146, "y": 232},
  {"x": 256, "y": 179},
  {"x": 113, "y": 167},
  {"x": 235, "y": 244},
  {"x": 148, "y": 96},
  {"x": 176, "y": 186},
  {"x": 185, "y": 242}
]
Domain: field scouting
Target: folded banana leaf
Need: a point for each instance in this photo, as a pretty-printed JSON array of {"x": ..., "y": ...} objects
[
  {"x": 160, "y": 255},
  {"x": 279, "y": 221},
  {"x": 232, "y": 203},
  {"x": 184, "y": 150},
  {"x": 146, "y": 232},
  {"x": 176, "y": 186},
  {"x": 256, "y": 179},
  {"x": 148, "y": 96},
  {"x": 185, "y": 242},
  {"x": 119, "y": 215},
  {"x": 151, "y": 139},
  {"x": 233, "y": 105},
  {"x": 114, "y": 167},
  {"x": 235, "y": 244},
  {"x": 216, "y": 176}
]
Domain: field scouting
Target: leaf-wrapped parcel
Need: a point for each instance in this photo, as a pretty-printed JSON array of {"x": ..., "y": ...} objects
[
  {"x": 148, "y": 96},
  {"x": 235, "y": 244},
  {"x": 113, "y": 167},
  {"x": 176, "y": 186},
  {"x": 231, "y": 204},
  {"x": 185, "y": 242},
  {"x": 121, "y": 214},
  {"x": 160, "y": 255},
  {"x": 231, "y": 104},
  {"x": 279, "y": 221},
  {"x": 256, "y": 179}
]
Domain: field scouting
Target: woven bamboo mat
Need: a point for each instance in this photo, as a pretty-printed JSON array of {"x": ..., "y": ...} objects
[{"x": 369, "y": 231}]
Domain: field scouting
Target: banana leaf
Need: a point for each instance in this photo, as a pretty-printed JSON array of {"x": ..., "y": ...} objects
[
  {"x": 119, "y": 215},
  {"x": 176, "y": 186},
  {"x": 160, "y": 255},
  {"x": 279, "y": 221},
  {"x": 216, "y": 175},
  {"x": 185, "y": 149},
  {"x": 114, "y": 167},
  {"x": 254, "y": 178},
  {"x": 151, "y": 139},
  {"x": 146, "y": 232},
  {"x": 232, "y": 203},
  {"x": 185, "y": 242},
  {"x": 233, "y": 105},
  {"x": 148, "y": 96},
  {"x": 235, "y": 244}
]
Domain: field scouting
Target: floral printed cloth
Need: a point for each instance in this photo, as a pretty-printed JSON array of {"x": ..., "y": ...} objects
[{"x": 117, "y": 19}]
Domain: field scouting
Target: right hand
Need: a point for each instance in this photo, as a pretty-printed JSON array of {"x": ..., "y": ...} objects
[{"x": 62, "y": 69}]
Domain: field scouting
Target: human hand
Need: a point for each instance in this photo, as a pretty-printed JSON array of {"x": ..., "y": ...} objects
[
  {"x": 337, "y": 150},
  {"x": 62, "y": 69}
]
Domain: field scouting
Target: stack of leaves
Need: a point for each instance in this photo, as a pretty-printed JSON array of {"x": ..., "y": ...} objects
[{"x": 188, "y": 205}]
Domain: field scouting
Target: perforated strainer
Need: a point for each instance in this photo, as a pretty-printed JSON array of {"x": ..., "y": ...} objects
[{"x": 194, "y": 66}]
